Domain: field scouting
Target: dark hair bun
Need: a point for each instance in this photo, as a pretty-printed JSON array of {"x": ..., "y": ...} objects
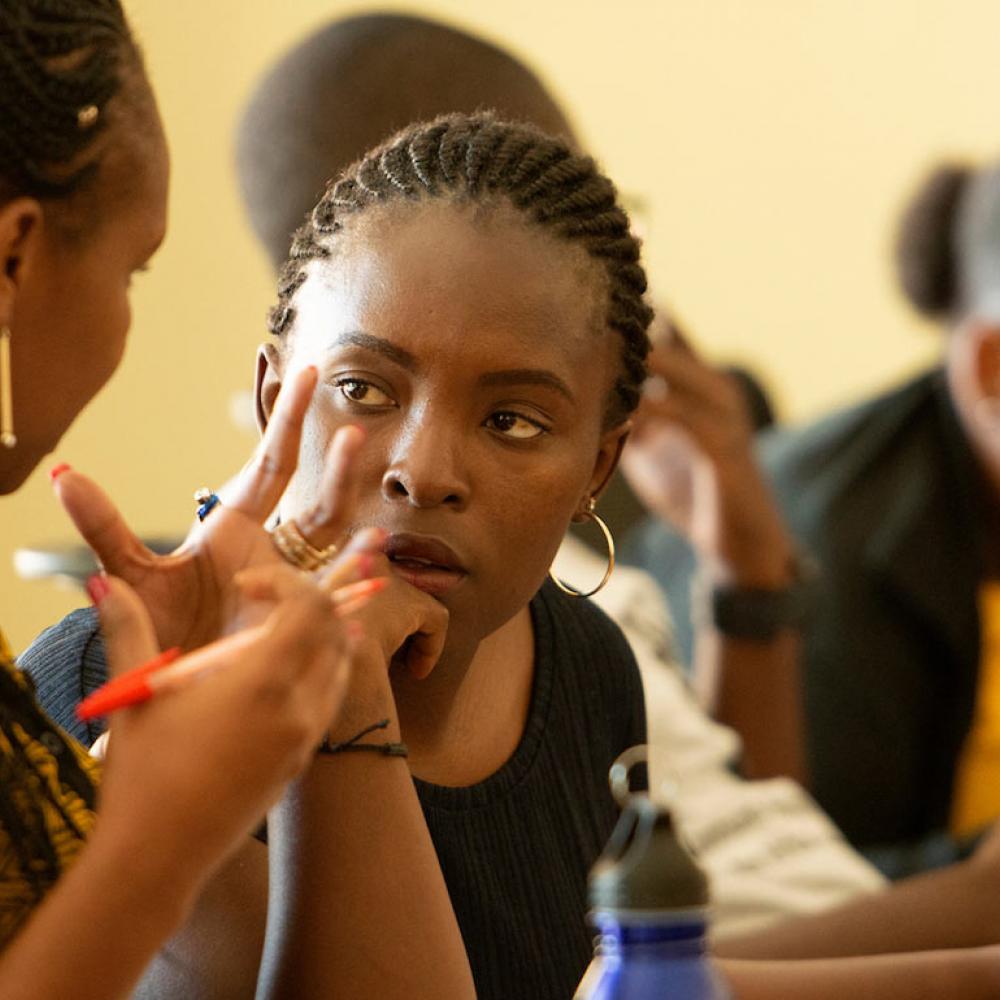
[{"x": 925, "y": 242}]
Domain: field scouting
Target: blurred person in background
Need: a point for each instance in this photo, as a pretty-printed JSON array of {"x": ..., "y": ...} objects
[{"x": 898, "y": 498}]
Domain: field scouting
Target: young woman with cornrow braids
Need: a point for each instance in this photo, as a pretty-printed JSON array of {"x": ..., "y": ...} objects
[
  {"x": 472, "y": 297},
  {"x": 83, "y": 178}
]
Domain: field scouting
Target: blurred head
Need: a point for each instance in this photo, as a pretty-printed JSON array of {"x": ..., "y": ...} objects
[
  {"x": 948, "y": 256},
  {"x": 347, "y": 88},
  {"x": 473, "y": 297},
  {"x": 83, "y": 174}
]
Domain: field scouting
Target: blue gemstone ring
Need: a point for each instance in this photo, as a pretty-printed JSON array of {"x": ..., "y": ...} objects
[{"x": 207, "y": 502}]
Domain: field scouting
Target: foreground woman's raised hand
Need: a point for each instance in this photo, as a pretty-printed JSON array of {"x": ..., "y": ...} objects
[
  {"x": 189, "y": 775},
  {"x": 185, "y": 761},
  {"x": 190, "y": 592},
  {"x": 194, "y": 770}
]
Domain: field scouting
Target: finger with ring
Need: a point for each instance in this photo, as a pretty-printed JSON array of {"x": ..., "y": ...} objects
[{"x": 296, "y": 549}]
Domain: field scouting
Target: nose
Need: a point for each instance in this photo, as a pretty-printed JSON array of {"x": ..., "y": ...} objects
[{"x": 426, "y": 470}]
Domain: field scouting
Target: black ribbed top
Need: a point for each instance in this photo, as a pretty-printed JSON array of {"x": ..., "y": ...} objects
[{"x": 516, "y": 848}]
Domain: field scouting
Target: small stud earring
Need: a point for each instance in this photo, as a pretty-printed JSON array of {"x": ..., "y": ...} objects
[{"x": 87, "y": 116}]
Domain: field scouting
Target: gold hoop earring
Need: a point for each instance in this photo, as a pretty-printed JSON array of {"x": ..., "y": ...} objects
[
  {"x": 7, "y": 436},
  {"x": 592, "y": 515}
]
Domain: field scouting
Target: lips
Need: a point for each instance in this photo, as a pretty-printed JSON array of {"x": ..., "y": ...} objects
[{"x": 426, "y": 563}]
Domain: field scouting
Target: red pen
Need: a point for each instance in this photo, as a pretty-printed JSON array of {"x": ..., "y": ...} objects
[
  {"x": 141, "y": 683},
  {"x": 162, "y": 672},
  {"x": 97, "y": 703}
]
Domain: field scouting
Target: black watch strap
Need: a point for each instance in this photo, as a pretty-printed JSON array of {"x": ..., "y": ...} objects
[{"x": 760, "y": 614}]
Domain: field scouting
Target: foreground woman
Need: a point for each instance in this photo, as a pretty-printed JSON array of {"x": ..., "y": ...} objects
[{"x": 83, "y": 176}]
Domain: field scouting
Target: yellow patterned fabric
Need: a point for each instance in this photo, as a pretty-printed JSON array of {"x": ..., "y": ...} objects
[
  {"x": 976, "y": 802},
  {"x": 47, "y": 792}
]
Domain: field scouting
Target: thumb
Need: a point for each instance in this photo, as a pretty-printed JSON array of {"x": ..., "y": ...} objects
[
  {"x": 129, "y": 637},
  {"x": 101, "y": 525}
]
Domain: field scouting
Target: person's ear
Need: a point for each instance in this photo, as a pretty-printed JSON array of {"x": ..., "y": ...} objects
[
  {"x": 21, "y": 226},
  {"x": 609, "y": 454},
  {"x": 267, "y": 383}
]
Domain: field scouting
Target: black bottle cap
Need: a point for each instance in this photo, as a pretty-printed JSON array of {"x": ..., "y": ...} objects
[{"x": 645, "y": 866}]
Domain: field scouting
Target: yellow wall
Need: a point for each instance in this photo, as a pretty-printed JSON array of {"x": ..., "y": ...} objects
[{"x": 773, "y": 139}]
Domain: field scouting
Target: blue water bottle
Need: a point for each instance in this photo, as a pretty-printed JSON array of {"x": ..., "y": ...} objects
[{"x": 649, "y": 905}]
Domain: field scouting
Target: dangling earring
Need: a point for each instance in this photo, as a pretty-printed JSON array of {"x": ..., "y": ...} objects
[
  {"x": 592, "y": 515},
  {"x": 7, "y": 437}
]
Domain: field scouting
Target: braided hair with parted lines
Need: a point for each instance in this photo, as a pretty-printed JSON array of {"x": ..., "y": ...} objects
[
  {"x": 475, "y": 158},
  {"x": 60, "y": 64}
]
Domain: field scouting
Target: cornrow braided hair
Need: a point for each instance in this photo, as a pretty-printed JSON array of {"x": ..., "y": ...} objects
[
  {"x": 52, "y": 103},
  {"x": 474, "y": 158}
]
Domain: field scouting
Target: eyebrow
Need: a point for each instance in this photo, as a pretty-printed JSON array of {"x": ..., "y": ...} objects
[
  {"x": 527, "y": 376},
  {"x": 403, "y": 358},
  {"x": 377, "y": 346}
]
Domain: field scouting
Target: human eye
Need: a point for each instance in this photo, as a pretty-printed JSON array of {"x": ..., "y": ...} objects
[
  {"x": 362, "y": 392},
  {"x": 515, "y": 425}
]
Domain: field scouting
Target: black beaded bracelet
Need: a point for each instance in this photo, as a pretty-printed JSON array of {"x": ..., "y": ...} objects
[{"x": 353, "y": 746}]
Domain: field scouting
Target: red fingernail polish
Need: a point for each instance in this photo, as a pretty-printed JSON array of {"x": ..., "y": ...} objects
[
  {"x": 361, "y": 591},
  {"x": 57, "y": 470},
  {"x": 97, "y": 588}
]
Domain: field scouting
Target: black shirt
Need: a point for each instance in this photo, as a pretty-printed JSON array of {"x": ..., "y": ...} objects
[{"x": 515, "y": 849}]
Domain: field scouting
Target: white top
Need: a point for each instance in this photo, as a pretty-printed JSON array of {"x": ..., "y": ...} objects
[{"x": 770, "y": 852}]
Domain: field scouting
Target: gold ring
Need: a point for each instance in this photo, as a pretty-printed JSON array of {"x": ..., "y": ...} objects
[{"x": 295, "y": 548}]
